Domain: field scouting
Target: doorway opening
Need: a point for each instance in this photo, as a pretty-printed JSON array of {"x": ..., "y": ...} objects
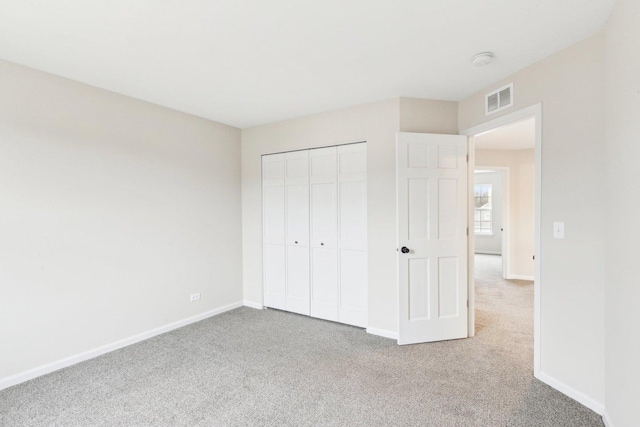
[
  {"x": 491, "y": 213},
  {"x": 503, "y": 229},
  {"x": 504, "y": 225}
]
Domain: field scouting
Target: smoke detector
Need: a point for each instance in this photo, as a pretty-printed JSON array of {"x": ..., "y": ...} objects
[{"x": 482, "y": 59}]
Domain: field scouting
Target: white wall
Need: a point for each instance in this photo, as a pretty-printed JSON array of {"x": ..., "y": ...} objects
[
  {"x": 569, "y": 85},
  {"x": 491, "y": 243},
  {"x": 622, "y": 145},
  {"x": 376, "y": 124},
  {"x": 112, "y": 211},
  {"x": 521, "y": 164}
]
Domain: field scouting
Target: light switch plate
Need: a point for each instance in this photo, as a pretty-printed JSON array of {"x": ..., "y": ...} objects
[{"x": 558, "y": 230}]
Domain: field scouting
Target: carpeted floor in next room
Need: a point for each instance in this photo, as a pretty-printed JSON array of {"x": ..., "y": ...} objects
[{"x": 266, "y": 367}]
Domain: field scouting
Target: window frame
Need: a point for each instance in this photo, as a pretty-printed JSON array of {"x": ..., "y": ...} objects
[{"x": 482, "y": 231}]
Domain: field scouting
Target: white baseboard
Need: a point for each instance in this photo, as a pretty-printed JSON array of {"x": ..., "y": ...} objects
[
  {"x": 519, "y": 277},
  {"x": 483, "y": 252},
  {"x": 383, "y": 333},
  {"x": 606, "y": 420},
  {"x": 590, "y": 403},
  {"x": 252, "y": 304},
  {"x": 72, "y": 360}
]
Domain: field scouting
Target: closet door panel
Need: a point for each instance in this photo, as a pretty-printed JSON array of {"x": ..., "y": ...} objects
[
  {"x": 297, "y": 198},
  {"x": 274, "y": 276},
  {"x": 324, "y": 214},
  {"x": 273, "y": 212},
  {"x": 352, "y": 234},
  {"x": 297, "y": 231},
  {"x": 324, "y": 279},
  {"x": 353, "y": 287},
  {"x": 353, "y": 214},
  {"x": 298, "y": 279},
  {"x": 324, "y": 233},
  {"x": 297, "y": 222},
  {"x": 323, "y": 163},
  {"x": 273, "y": 208}
]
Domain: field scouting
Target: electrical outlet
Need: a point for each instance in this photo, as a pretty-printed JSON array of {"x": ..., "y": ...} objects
[{"x": 195, "y": 297}]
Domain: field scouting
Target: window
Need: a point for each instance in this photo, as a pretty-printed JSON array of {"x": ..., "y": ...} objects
[{"x": 482, "y": 213}]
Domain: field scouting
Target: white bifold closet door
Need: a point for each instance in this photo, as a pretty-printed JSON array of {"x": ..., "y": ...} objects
[
  {"x": 285, "y": 180},
  {"x": 322, "y": 272}
]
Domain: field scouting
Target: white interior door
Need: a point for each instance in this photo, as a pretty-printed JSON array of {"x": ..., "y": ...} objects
[
  {"x": 432, "y": 237},
  {"x": 352, "y": 234},
  {"x": 324, "y": 233},
  {"x": 297, "y": 231}
]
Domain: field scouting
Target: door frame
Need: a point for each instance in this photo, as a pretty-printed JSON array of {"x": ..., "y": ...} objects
[
  {"x": 504, "y": 172},
  {"x": 534, "y": 111}
]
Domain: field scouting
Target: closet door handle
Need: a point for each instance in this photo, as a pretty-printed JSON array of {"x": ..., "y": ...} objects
[
  {"x": 321, "y": 244},
  {"x": 404, "y": 250},
  {"x": 296, "y": 242}
]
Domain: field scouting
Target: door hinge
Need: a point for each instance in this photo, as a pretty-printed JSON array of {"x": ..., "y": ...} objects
[
  {"x": 467, "y": 158},
  {"x": 467, "y": 231},
  {"x": 467, "y": 303}
]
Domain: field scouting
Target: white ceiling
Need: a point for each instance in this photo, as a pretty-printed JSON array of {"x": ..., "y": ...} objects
[
  {"x": 518, "y": 136},
  {"x": 248, "y": 62}
]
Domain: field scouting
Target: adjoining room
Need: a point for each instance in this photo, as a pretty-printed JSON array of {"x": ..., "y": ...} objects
[{"x": 504, "y": 235}]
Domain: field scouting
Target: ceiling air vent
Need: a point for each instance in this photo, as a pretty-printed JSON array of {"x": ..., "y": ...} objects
[{"x": 499, "y": 99}]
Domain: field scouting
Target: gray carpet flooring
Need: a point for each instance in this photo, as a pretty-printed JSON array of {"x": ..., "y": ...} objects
[{"x": 266, "y": 367}]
